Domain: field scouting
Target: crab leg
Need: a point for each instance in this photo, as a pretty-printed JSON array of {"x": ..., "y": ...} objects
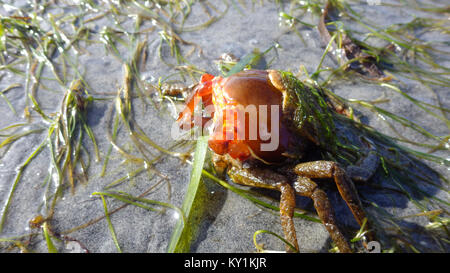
[
  {"x": 330, "y": 169},
  {"x": 306, "y": 187},
  {"x": 365, "y": 169},
  {"x": 264, "y": 178},
  {"x": 287, "y": 206}
]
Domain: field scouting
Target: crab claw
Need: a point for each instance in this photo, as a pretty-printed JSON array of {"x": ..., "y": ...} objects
[
  {"x": 202, "y": 92},
  {"x": 224, "y": 137}
]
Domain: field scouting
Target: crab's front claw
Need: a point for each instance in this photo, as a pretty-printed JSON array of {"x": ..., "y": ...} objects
[
  {"x": 224, "y": 138},
  {"x": 202, "y": 92}
]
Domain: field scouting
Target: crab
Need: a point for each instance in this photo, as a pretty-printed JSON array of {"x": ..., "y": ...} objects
[{"x": 289, "y": 111}]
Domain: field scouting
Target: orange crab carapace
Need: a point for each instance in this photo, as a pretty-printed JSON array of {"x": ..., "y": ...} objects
[{"x": 247, "y": 90}]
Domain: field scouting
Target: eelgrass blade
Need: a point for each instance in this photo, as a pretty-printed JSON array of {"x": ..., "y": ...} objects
[
  {"x": 178, "y": 242},
  {"x": 248, "y": 60},
  {"x": 110, "y": 226},
  {"x": 260, "y": 249},
  {"x": 50, "y": 246},
  {"x": 15, "y": 137},
  {"x": 113, "y": 138},
  {"x": 6, "y": 99},
  {"x": 327, "y": 49},
  {"x": 16, "y": 181},
  {"x": 132, "y": 200}
]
